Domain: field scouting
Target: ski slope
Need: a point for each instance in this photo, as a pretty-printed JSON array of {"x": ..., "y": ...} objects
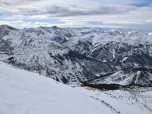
[{"x": 23, "y": 92}]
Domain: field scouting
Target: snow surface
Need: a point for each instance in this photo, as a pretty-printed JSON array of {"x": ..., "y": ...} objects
[
  {"x": 125, "y": 58},
  {"x": 149, "y": 33},
  {"x": 23, "y": 92}
]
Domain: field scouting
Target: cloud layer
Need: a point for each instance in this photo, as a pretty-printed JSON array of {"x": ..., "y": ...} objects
[
  {"x": 60, "y": 11},
  {"x": 77, "y": 13}
]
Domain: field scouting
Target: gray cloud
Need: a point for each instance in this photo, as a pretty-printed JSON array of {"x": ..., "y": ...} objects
[
  {"x": 5, "y": 3},
  {"x": 61, "y": 11}
]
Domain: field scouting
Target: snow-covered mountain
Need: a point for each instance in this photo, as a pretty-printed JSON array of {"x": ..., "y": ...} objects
[
  {"x": 67, "y": 55},
  {"x": 37, "y": 52}
]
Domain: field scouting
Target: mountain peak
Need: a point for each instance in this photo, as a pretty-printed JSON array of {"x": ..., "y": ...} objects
[
  {"x": 55, "y": 27},
  {"x": 7, "y": 26}
]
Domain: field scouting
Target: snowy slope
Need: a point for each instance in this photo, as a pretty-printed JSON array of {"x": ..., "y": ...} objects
[{"x": 23, "y": 92}]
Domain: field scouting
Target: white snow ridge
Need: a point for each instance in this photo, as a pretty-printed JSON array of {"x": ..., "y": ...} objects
[{"x": 23, "y": 92}]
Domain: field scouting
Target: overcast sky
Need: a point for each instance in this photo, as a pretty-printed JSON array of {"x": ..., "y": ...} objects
[{"x": 132, "y": 14}]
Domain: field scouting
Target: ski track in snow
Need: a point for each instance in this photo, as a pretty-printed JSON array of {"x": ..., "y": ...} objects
[{"x": 23, "y": 92}]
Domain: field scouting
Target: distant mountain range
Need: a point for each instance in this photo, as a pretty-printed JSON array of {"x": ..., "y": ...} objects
[
  {"x": 84, "y": 30},
  {"x": 122, "y": 30},
  {"x": 73, "y": 55}
]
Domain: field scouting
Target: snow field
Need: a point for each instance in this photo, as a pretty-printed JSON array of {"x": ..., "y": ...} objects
[{"x": 23, "y": 92}]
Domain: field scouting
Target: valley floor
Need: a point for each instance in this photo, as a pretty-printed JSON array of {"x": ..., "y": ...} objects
[{"x": 23, "y": 92}]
